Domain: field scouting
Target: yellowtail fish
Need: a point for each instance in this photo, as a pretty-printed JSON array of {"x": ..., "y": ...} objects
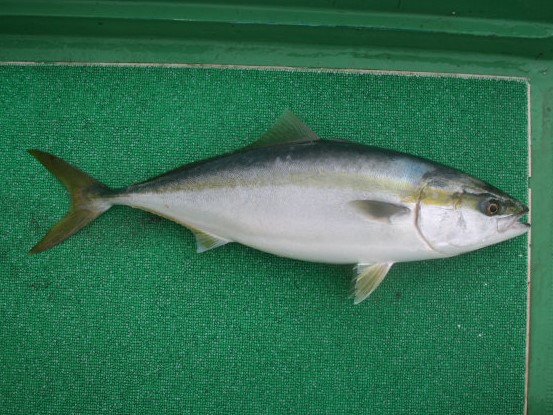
[{"x": 295, "y": 195}]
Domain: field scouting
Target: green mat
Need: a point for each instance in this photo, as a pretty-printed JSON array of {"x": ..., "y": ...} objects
[{"x": 126, "y": 318}]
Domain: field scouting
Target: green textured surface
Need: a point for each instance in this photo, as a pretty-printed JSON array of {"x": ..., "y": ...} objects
[{"x": 125, "y": 317}]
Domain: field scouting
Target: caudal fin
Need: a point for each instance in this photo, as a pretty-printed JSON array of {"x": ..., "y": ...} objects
[{"x": 88, "y": 200}]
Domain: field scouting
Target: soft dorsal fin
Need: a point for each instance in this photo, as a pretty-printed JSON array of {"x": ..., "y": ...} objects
[
  {"x": 287, "y": 129},
  {"x": 368, "y": 278}
]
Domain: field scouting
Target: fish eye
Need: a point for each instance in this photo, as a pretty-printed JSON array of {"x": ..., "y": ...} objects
[{"x": 491, "y": 207}]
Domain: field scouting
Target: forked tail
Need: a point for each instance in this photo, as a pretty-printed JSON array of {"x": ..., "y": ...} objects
[{"x": 88, "y": 200}]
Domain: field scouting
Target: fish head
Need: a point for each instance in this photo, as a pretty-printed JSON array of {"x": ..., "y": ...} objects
[{"x": 458, "y": 213}]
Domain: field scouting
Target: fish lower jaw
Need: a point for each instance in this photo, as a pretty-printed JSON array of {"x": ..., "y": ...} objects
[
  {"x": 519, "y": 228},
  {"x": 512, "y": 225}
]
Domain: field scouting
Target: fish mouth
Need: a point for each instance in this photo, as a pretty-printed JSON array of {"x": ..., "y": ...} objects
[{"x": 512, "y": 223}]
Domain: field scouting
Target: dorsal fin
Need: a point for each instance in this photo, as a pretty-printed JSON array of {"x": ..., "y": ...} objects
[{"x": 287, "y": 129}]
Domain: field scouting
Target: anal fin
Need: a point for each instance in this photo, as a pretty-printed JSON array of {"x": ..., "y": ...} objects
[
  {"x": 368, "y": 278},
  {"x": 206, "y": 241}
]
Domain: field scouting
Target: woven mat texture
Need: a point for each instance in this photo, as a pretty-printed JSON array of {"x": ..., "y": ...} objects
[{"x": 126, "y": 318}]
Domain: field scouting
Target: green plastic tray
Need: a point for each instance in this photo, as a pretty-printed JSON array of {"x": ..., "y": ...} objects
[{"x": 504, "y": 39}]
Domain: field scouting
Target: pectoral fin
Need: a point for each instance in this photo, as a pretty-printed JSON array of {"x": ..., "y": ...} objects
[
  {"x": 368, "y": 278},
  {"x": 379, "y": 211}
]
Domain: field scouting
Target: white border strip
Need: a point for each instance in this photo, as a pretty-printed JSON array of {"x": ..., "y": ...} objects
[
  {"x": 270, "y": 68},
  {"x": 529, "y": 259}
]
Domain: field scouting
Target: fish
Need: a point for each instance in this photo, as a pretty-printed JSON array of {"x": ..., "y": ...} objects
[{"x": 295, "y": 195}]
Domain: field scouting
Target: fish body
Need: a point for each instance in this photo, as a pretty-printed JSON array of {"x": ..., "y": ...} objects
[
  {"x": 294, "y": 195},
  {"x": 296, "y": 200}
]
